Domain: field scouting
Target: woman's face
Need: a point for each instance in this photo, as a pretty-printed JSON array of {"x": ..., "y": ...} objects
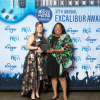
[
  {"x": 58, "y": 30},
  {"x": 39, "y": 28}
]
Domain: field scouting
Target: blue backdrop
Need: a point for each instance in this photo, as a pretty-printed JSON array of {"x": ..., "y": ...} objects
[{"x": 81, "y": 19}]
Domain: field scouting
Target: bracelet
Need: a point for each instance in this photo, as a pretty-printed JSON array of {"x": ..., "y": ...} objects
[{"x": 37, "y": 48}]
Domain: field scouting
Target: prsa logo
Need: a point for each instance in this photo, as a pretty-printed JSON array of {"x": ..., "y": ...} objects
[
  {"x": 73, "y": 67},
  {"x": 10, "y": 47},
  {"x": 14, "y": 38},
  {"x": 44, "y": 30},
  {"x": 74, "y": 49},
  {"x": 26, "y": 29},
  {"x": 77, "y": 58},
  {"x": 22, "y": 66},
  {"x": 15, "y": 57},
  {"x": 76, "y": 39},
  {"x": 98, "y": 30},
  {"x": 98, "y": 47},
  {"x": 86, "y": 66},
  {"x": 87, "y": 30},
  {"x": 91, "y": 59},
  {"x": 89, "y": 39},
  {"x": 71, "y": 30},
  {"x": 97, "y": 67},
  {"x": 23, "y": 47},
  {"x": 10, "y": 66},
  {"x": 11, "y": 30},
  {"x": 25, "y": 38},
  {"x": 86, "y": 48}
]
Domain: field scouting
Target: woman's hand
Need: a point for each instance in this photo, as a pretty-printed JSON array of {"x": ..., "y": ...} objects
[
  {"x": 51, "y": 50},
  {"x": 39, "y": 49}
]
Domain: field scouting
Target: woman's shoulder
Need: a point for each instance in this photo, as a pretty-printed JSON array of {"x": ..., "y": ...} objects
[
  {"x": 31, "y": 36},
  {"x": 66, "y": 35},
  {"x": 51, "y": 35},
  {"x": 44, "y": 36}
]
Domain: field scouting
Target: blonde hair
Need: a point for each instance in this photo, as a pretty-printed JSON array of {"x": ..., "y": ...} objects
[{"x": 36, "y": 33}]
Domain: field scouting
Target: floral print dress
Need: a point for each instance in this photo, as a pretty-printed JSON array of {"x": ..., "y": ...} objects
[
  {"x": 63, "y": 59},
  {"x": 35, "y": 68},
  {"x": 52, "y": 64}
]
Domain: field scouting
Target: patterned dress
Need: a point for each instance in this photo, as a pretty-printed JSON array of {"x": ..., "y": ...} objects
[
  {"x": 34, "y": 68},
  {"x": 52, "y": 65},
  {"x": 64, "y": 59}
]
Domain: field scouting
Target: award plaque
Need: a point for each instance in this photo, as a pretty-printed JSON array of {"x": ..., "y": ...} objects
[{"x": 45, "y": 46}]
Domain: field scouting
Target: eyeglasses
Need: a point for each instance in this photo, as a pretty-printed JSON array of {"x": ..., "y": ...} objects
[{"x": 58, "y": 28}]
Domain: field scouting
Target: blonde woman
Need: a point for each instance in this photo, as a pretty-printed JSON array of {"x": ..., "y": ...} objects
[{"x": 34, "y": 66}]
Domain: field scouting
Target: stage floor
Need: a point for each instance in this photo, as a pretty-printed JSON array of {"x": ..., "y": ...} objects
[{"x": 12, "y": 95}]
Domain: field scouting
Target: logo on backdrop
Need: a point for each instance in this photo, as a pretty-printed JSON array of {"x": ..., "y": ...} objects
[
  {"x": 86, "y": 48},
  {"x": 11, "y": 30},
  {"x": 44, "y": 14},
  {"x": 15, "y": 57},
  {"x": 98, "y": 47},
  {"x": 77, "y": 58},
  {"x": 87, "y": 30},
  {"x": 10, "y": 66},
  {"x": 44, "y": 30},
  {"x": 10, "y": 47},
  {"x": 98, "y": 30},
  {"x": 97, "y": 67},
  {"x": 22, "y": 66},
  {"x": 76, "y": 39},
  {"x": 25, "y": 38},
  {"x": 26, "y": 29},
  {"x": 86, "y": 66},
  {"x": 73, "y": 49},
  {"x": 91, "y": 59},
  {"x": 73, "y": 67},
  {"x": 71, "y": 30},
  {"x": 89, "y": 39},
  {"x": 23, "y": 47},
  {"x": 14, "y": 38}
]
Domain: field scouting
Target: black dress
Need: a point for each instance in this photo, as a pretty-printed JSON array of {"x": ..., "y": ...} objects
[{"x": 52, "y": 64}]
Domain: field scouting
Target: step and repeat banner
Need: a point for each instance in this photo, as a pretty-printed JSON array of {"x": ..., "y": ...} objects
[{"x": 81, "y": 19}]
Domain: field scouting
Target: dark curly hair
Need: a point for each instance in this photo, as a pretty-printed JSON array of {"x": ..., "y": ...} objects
[{"x": 63, "y": 28}]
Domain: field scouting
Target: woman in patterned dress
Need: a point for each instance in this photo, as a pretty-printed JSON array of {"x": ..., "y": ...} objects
[
  {"x": 61, "y": 55},
  {"x": 35, "y": 68}
]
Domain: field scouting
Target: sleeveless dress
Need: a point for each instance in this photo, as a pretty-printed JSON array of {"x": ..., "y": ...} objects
[
  {"x": 52, "y": 64},
  {"x": 35, "y": 68}
]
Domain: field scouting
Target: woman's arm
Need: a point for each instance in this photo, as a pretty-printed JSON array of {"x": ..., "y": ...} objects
[
  {"x": 58, "y": 50},
  {"x": 29, "y": 42},
  {"x": 55, "y": 50}
]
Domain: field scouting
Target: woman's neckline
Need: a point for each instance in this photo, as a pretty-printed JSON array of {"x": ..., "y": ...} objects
[
  {"x": 40, "y": 36},
  {"x": 58, "y": 36}
]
